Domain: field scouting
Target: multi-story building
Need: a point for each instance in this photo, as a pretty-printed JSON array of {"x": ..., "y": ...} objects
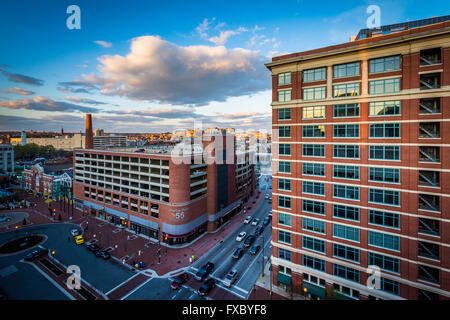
[
  {"x": 155, "y": 190},
  {"x": 361, "y": 138},
  {"x": 65, "y": 142},
  {"x": 110, "y": 140},
  {"x": 6, "y": 159},
  {"x": 48, "y": 179}
]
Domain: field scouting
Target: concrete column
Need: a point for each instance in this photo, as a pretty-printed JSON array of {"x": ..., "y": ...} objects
[{"x": 364, "y": 78}]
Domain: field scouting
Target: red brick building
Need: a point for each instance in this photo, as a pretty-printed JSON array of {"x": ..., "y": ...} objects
[
  {"x": 159, "y": 190},
  {"x": 361, "y": 137}
]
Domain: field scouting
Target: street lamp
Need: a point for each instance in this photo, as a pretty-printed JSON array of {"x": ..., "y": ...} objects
[{"x": 262, "y": 237}]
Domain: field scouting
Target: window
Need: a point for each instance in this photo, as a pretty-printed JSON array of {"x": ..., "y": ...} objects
[
  {"x": 312, "y": 75},
  {"x": 284, "y": 184},
  {"x": 387, "y": 175},
  {"x": 284, "y": 78},
  {"x": 384, "y": 64},
  {"x": 284, "y": 236},
  {"x": 313, "y": 131},
  {"x": 384, "y": 262},
  {"x": 284, "y": 131},
  {"x": 429, "y": 274},
  {"x": 345, "y": 212},
  {"x": 384, "y": 130},
  {"x": 314, "y": 263},
  {"x": 346, "y": 192},
  {"x": 384, "y": 86},
  {"x": 316, "y": 93},
  {"x": 385, "y": 108},
  {"x": 344, "y": 252},
  {"x": 284, "y": 270},
  {"x": 313, "y": 150},
  {"x": 345, "y": 232},
  {"x": 346, "y": 70},
  {"x": 346, "y": 172},
  {"x": 384, "y": 152},
  {"x": 346, "y": 110},
  {"x": 346, "y": 273},
  {"x": 385, "y": 219},
  {"x": 313, "y": 169},
  {"x": 430, "y": 106},
  {"x": 429, "y": 154},
  {"x": 284, "y": 95},
  {"x": 284, "y": 167},
  {"x": 316, "y": 112},
  {"x": 428, "y": 250},
  {"x": 383, "y": 240},
  {"x": 390, "y": 286},
  {"x": 314, "y": 244},
  {"x": 346, "y": 131},
  {"x": 284, "y": 219},
  {"x": 284, "y": 149},
  {"x": 284, "y": 114},
  {"x": 284, "y": 254},
  {"x": 346, "y": 151},
  {"x": 314, "y": 188},
  {"x": 382, "y": 196},
  {"x": 313, "y": 225},
  {"x": 312, "y": 206},
  {"x": 430, "y": 57},
  {"x": 346, "y": 90},
  {"x": 429, "y": 226},
  {"x": 284, "y": 202}
]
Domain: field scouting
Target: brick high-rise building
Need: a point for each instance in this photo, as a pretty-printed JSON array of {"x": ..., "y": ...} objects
[{"x": 361, "y": 154}]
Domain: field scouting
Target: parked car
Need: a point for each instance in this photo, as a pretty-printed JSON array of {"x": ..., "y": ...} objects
[
  {"x": 206, "y": 287},
  {"x": 203, "y": 272},
  {"x": 74, "y": 232},
  {"x": 238, "y": 253},
  {"x": 270, "y": 214},
  {"x": 259, "y": 230},
  {"x": 266, "y": 196},
  {"x": 103, "y": 254},
  {"x": 92, "y": 247},
  {"x": 248, "y": 219},
  {"x": 241, "y": 236},
  {"x": 79, "y": 239},
  {"x": 250, "y": 239},
  {"x": 255, "y": 249},
  {"x": 266, "y": 220},
  {"x": 230, "y": 278},
  {"x": 35, "y": 254},
  {"x": 255, "y": 221},
  {"x": 179, "y": 280}
]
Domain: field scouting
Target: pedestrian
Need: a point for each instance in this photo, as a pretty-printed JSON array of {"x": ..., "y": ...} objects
[{"x": 68, "y": 239}]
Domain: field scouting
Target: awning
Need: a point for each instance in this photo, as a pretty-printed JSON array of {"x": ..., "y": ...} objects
[
  {"x": 314, "y": 290},
  {"x": 284, "y": 279}
]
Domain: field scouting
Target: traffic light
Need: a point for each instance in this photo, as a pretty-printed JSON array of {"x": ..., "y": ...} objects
[{"x": 165, "y": 236}]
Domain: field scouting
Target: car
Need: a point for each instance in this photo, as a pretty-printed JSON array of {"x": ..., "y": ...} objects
[
  {"x": 259, "y": 230},
  {"x": 254, "y": 249},
  {"x": 179, "y": 280},
  {"x": 36, "y": 254},
  {"x": 79, "y": 239},
  {"x": 92, "y": 247},
  {"x": 103, "y": 254},
  {"x": 74, "y": 232},
  {"x": 255, "y": 222},
  {"x": 266, "y": 220},
  {"x": 230, "y": 278},
  {"x": 241, "y": 236},
  {"x": 266, "y": 197},
  {"x": 203, "y": 272},
  {"x": 237, "y": 253},
  {"x": 248, "y": 219},
  {"x": 206, "y": 287},
  {"x": 270, "y": 201},
  {"x": 250, "y": 239},
  {"x": 270, "y": 214}
]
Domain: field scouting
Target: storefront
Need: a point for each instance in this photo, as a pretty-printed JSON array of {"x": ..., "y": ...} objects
[
  {"x": 227, "y": 213},
  {"x": 143, "y": 226},
  {"x": 313, "y": 291}
]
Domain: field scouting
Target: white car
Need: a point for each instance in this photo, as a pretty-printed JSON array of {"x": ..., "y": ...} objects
[
  {"x": 230, "y": 278},
  {"x": 241, "y": 236},
  {"x": 255, "y": 222},
  {"x": 74, "y": 232},
  {"x": 248, "y": 219}
]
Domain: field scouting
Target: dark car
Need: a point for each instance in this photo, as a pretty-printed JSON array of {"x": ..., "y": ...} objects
[
  {"x": 179, "y": 280},
  {"x": 255, "y": 249},
  {"x": 259, "y": 230},
  {"x": 35, "y": 254},
  {"x": 103, "y": 254},
  {"x": 204, "y": 271},
  {"x": 266, "y": 220},
  {"x": 238, "y": 253},
  {"x": 92, "y": 247},
  {"x": 250, "y": 239},
  {"x": 206, "y": 287}
]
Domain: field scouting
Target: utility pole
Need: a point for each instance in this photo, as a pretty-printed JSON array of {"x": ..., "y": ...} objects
[
  {"x": 159, "y": 245},
  {"x": 262, "y": 237}
]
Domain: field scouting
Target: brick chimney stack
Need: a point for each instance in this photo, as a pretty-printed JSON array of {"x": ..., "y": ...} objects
[{"x": 89, "y": 140}]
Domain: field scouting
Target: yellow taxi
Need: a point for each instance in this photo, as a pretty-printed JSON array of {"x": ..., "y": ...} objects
[{"x": 79, "y": 239}]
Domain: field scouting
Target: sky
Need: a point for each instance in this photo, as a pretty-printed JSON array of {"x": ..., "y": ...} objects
[{"x": 157, "y": 66}]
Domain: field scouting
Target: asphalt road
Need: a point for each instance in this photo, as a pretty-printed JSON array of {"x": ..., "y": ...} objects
[
  {"x": 249, "y": 266},
  {"x": 159, "y": 289}
]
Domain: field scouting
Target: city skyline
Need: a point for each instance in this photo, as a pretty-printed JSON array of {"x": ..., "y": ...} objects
[{"x": 135, "y": 74}]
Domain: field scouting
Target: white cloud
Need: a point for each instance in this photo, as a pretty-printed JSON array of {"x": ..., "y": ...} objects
[
  {"x": 18, "y": 91},
  {"x": 104, "y": 44},
  {"x": 224, "y": 35},
  {"x": 203, "y": 27},
  {"x": 158, "y": 70}
]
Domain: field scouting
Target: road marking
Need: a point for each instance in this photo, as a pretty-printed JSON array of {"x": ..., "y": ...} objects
[
  {"x": 122, "y": 283},
  {"x": 135, "y": 289},
  {"x": 8, "y": 271}
]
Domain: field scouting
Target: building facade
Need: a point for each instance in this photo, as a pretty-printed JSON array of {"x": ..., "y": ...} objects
[
  {"x": 361, "y": 136},
  {"x": 156, "y": 191},
  {"x": 66, "y": 142},
  {"x": 6, "y": 159},
  {"x": 49, "y": 180},
  {"x": 111, "y": 140}
]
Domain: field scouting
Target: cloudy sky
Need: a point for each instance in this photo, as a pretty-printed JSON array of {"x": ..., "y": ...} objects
[{"x": 152, "y": 66}]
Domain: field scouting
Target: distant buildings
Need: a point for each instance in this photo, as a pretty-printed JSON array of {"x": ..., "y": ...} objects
[
  {"x": 6, "y": 160},
  {"x": 23, "y": 138},
  {"x": 67, "y": 142},
  {"x": 48, "y": 179}
]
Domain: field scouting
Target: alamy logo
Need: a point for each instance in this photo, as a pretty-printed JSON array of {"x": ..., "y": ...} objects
[
  {"x": 73, "y": 21},
  {"x": 374, "y": 280},
  {"x": 74, "y": 280},
  {"x": 374, "y": 20}
]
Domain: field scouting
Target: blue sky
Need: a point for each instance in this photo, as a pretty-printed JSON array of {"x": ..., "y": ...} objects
[{"x": 149, "y": 66}]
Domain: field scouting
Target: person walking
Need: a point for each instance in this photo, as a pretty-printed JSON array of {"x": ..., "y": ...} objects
[{"x": 68, "y": 239}]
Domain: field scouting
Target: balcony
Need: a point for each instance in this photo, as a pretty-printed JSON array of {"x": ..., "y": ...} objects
[
  {"x": 429, "y": 226},
  {"x": 429, "y": 130},
  {"x": 428, "y": 274},
  {"x": 429, "y": 154},
  {"x": 430, "y": 81},
  {"x": 429, "y": 178},
  {"x": 430, "y": 57},
  {"x": 430, "y": 106},
  {"x": 429, "y": 202}
]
